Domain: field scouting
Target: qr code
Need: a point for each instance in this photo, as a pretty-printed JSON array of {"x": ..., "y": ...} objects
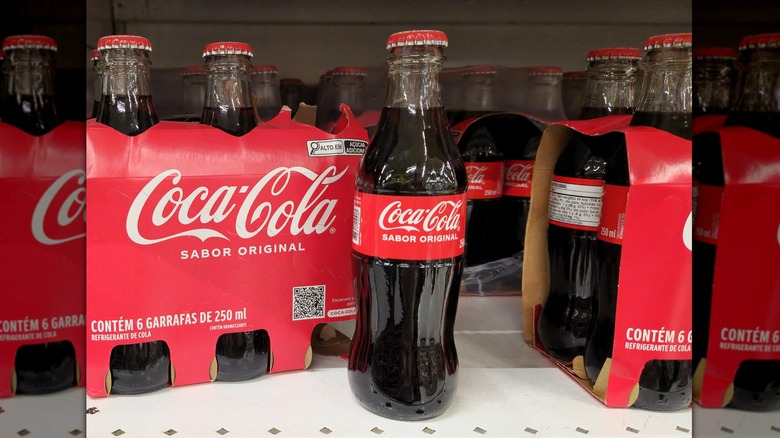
[{"x": 308, "y": 302}]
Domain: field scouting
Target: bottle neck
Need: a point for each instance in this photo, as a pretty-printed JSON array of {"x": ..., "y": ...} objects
[
  {"x": 760, "y": 87},
  {"x": 543, "y": 97},
  {"x": 228, "y": 85},
  {"x": 348, "y": 89},
  {"x": 478, "y": 92},
  {"x": 414, "y": 78},
  {"x": 711, "y": 86},
  {"x": 29, "y": 89},
  {"x": 609, "y": 88},
  {"x": 667, "y": 82},
  {"x": 126, "y": 103},
  {"x": 98, "y": 82}
]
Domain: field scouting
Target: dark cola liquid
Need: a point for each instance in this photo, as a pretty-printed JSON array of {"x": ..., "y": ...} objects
[
  {"x": 95, "y": 109},
  {"x": 515, "y": 209},
  {"x": 481, "y": 214},
  {"x": 140, "y": 368},
  {"x": 567, "y": 313},
  {"x": 130, "y": 115},
  {"x": 588, "y": 112},
  {"x": 402, "y": 362},
  {"x": 664, "y": 385},
  {"x": 766, "y": 122},
  {"x": 45, "y": 368},
  {"x": 234, "y": 121},
  {"x": 21, "y": 111},
  {"x": 242, "y": 356}
]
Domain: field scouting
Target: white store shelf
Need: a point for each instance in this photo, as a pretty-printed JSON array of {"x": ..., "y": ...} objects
[{"x": 505, "y": 389}]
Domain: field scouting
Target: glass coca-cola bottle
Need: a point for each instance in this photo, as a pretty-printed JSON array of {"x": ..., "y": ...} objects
[
  {"x": 193, "y": 96},
  {"x": 575, "y": 206},
  {"x": 3, "y": 89},
  {"x": 573, "y": 93},
  {"x": 126, "y": 106},
  {"x": 407, "y": 242},
  {"x": 343, "y": 85},
  {"x": 713, "y": 74},
  {"x": 266, "y": 91},
  {"x": 97, "y": 82},
  {"x": 30, "y": 106},
  {"x": 665, "y": 104},
  {"x": 229, "y": 107},
  {"x": 477, "y": 95},
  {"x": 757, "y": 106},
  {"x": 29, "y": 79},
  {"x": 542, "y": 98},
  {"x": 292, "y": 93},
  {"x": 126, "y": 103}
]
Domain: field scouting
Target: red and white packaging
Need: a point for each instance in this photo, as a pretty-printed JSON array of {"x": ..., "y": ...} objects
[
  {"x": 653, "y": 318},
  {"x": 42, "y": 181},
  {"x": 745, "y": 309},
  {"x": 194, "y": 233}
]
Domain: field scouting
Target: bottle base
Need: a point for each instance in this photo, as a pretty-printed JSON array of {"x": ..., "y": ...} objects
[
  {"x": 653, "y": 400},
  {"x": 404, "y": 412},
  {"x": 755, "y": 401}
]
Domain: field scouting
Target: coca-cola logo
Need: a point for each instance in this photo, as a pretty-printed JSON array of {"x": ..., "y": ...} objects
[
  {"x": 476, "y": 174},
  {"x": 687, "y": 233},
  {"x": 444, "y": 216},
  {"x": 263, "y": 207},
  {"x": 60, "y": 214},
  {"x": 519, "y": 172}
]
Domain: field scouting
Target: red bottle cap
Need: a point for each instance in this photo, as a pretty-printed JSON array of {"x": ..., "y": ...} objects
[
  {"x": 715, "y": 53},
  {"x": 417, "y": 38},
  {"x": 575, "y": 75},
  {"x": 761, "y": 40},
  {"x": 227, "y": 48},
  {"x": 545, "y": 70},
  {"x": 614, "y": 53},
  {"x": 124, "y": 42},
  {"x": 29, "y": 42},
  {"x": 95, "y": 55},
  {"x": 480, "y": 70},
  {"x": 348, "y": 70},
  {"x": 2, "y": 54},
  {"x": 193, "y": 70},
  {"x": 268, "y": 68},
  {"x": 677, "y": 40},
  {"x": 290, "y": 81}
]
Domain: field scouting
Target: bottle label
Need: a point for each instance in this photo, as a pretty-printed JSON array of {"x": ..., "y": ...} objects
[
  {"x": 409, "y": 227},
  {"x": 486, "y": 180},
  {"x": 575, "y": 202},
  {"x": 517, "y": 181},
  {"x": 613, "y": 214},
  {"x": 707, "y": 213}
]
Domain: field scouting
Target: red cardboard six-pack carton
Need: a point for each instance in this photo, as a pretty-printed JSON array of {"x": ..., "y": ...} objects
[
  {"x": 194, "y": 233},
  {"x": 653, "y": 316},
  {"x": 42, "y": 181}
]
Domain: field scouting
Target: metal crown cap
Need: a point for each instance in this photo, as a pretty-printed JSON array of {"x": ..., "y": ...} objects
[
  {"x": 760, "y": 41},
  {"x": 676, "y": 40},
  {"x": 268, "y": 68},
  {"x": 95, "y": 55},
  {"x": 545, "y": 70},
  {"x": 193, "y": 70},
  {"x": 124, "y": 42},
  {"x": 575, "y": 75},
  {"x": 480, "y": 70},
  {"x": 29, "y": 42},
  {"x": 348, "y": 70},
  {"x": 715, "y": 52},
  {"x": 227, "y": 48},
  {"x": 417, "y": 38},
  {"x": 629, "y": 53}
]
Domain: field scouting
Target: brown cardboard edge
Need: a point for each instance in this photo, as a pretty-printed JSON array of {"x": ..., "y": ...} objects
[{"x": 536, "y": 277}]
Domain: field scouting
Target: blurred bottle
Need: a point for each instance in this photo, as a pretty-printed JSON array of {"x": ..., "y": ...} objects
[
  {"x": 713, "y": 71},
  {"x": 575, "y": 206},
  {"x": 343, "y": 85},
  {"x": 266, "y": 91},
  {"x": 573, "y": 93},
  {"x": 291, "y": 90},
  {"x": 193, "y": 95},
  {"x": 29, "y": 66},
  {"x": 3, "y": 89},
  {"x": 542, "y": 98},
  {"x": 665, "y": 104},
  {"x": 477, "y": 96}
]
